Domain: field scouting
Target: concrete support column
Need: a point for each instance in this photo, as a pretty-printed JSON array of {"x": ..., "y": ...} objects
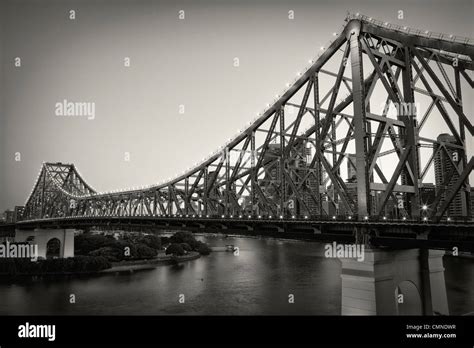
[
  {"x": 434, "y": 290},
  {"x": 368, "y": 285},
  {"x": 67, "y": 248},
  {"x": 394, "y": 282},
  {"x": 41, "y": 237}
]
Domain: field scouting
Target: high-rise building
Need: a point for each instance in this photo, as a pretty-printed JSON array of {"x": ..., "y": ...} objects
[
  {"x": 472, "y": 203},
  {"x": 446, "y": 175},
  {"x": 271, "y": 179},
  {"x": 18, "y": 213},
  {"x": 214, "y": 193},
  {"x": 299, "y": 171},
  {"x": 9, "y": 216},
  {"x": 427, "y": 194},
  {"x": 351, "y": 168}
]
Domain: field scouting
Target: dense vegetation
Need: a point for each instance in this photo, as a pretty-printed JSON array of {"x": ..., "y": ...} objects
[
  {"x": 131, "y": 247},
  {"x": 78, "y": 264},
  {"x": 138, "y": 246},
  {"x": 95, "y": 252},
  {"x": 175, "y": 249},
  {"x": 187, "y": 242}
]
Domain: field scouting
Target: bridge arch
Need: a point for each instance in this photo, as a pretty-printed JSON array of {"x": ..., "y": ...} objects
[
  {"x": 53, "y": 248},
  {"x": 408, "y": 299}
]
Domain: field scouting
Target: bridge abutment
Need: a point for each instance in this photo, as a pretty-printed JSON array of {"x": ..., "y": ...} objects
[
  {"x": 394, "y": 282},
  {"x": 43, "y": 237}
]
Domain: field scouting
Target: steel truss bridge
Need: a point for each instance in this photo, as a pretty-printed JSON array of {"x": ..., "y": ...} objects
[{"x": 374, "y": 93}]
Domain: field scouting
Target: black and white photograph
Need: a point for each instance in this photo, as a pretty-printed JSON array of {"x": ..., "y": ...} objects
[{"x": 205, "y": 166}]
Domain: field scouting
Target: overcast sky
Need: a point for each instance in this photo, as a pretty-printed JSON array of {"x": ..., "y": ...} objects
[{"x": 173, "y": 62}]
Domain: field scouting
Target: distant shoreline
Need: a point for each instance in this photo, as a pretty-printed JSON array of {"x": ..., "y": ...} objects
[{"x": 135, "y": 265}]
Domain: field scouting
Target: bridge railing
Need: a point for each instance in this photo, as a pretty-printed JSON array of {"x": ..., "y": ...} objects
[
  {"x": 408, "y": 30},
  {"x": 280, "y": 218},
  {"x": 335, "y": 218}
]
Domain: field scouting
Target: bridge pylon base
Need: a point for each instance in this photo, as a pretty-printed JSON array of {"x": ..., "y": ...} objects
[
  {"x": 43, "y": 237},
  {"x": 394, "y": 282}
]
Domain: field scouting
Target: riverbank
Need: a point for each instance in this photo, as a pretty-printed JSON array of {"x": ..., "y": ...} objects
[
  {"x": 161, "y": 259},
  {"x": 121, "y": 266}
]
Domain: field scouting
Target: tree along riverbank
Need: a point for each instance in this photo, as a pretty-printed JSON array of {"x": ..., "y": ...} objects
[{"x": 102, "y": 253}]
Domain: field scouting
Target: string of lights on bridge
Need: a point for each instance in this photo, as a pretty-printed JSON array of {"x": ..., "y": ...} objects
[{"x": 334, "y": 218}]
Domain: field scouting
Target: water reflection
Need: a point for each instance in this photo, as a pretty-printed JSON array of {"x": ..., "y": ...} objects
[{"x": 256, "y": 282}]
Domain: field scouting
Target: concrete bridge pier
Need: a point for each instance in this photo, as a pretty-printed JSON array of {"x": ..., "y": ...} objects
[
  {"x": 394, "y": 282},
  {"x": 51, "y": 242}
]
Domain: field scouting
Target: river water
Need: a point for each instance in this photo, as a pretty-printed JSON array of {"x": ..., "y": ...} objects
[{"x": 257, "y": 281}]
